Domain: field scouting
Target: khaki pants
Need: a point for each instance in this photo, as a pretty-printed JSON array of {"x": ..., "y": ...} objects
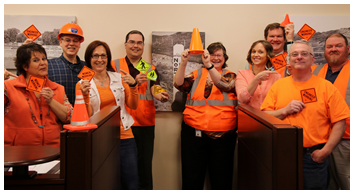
[{"x": 340, "y": 166}]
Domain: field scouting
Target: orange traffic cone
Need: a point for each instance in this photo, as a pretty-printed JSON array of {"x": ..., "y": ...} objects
[
  {"x": 195, "y": 43},
  {"x": 80, "y": 119},
  {"x": 286, "y": 21}
]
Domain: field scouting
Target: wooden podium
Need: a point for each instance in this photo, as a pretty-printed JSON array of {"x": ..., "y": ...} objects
[
  {"x": 89, "y": 160},
  {"x": 270, "y": 152}
]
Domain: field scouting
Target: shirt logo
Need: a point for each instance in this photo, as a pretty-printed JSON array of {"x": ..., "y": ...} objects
[
  {"x": 74, "y": 30},
  {"x": 308, "y": 95}
]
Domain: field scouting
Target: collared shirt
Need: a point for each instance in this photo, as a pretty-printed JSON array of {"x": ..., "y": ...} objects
[
  {"x": 134, "y": 72},
  {"x": 63, "y": 72},
  {"x": 331, "y": 76}
]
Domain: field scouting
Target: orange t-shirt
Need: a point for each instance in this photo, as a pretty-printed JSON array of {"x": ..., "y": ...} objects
[
  {"x": 107, "y": 99},
  {"x": 327, "y": 106}
]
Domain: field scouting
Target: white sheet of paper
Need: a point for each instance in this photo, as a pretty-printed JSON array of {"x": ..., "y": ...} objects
[{"x": 41, "y": 168}]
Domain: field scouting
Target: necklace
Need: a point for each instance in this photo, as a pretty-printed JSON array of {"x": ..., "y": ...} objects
[
  {"x": 101, "y": 81},
  {"x": 34, "y": 118}
]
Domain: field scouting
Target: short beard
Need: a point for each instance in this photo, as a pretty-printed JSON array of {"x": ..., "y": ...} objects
[{"x": 337, "y": 60}]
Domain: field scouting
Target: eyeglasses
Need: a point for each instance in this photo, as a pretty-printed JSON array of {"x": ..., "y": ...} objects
[
  {"x": 216, "y": 56},
  {"x": 68, "y": 40},
  {"x": 96, "y": 56},
  {"x": 296, "y": 54},
  {"x": 132, "y": 43}
]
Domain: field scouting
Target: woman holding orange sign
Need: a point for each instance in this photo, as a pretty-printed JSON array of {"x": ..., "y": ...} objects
[
  {"x": 109, "y": 88},
  {"x": 252, "y": 85},
  {"x": 33, "y": 117}
]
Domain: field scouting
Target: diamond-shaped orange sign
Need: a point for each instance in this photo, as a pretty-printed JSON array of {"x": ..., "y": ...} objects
[
  {"x": 86, "y": 73},
  {"x": 308, "y": 95},
  {"x": 306, "y": 32},
  {"x": 278, "y": 61},
  {"x": 32, "y": 32},
  {"x": 35, "y": 84}
]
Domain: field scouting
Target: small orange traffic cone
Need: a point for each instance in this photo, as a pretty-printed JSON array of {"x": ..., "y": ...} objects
[
  {"x": 286, "y": 21},
  {"x": 195, "y": 43},
  {"x": 80, "y": 119}
]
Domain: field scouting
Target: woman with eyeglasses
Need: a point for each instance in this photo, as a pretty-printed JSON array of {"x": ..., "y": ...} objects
[
  {"x": 208, "y": 134},
  {"x": 33, "y": 112},
  {"x": 252, "y": 85},
  {"x": 109, "y": 88}
]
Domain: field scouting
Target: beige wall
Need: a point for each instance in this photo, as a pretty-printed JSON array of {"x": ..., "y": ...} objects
[{"x": 236, "y": 26}]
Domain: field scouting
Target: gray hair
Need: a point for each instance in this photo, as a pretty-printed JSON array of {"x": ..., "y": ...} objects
[{"x": 303, "y": 42}]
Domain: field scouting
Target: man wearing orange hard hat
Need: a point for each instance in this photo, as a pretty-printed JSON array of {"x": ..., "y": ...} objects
[{"x": 64, "y": 69}]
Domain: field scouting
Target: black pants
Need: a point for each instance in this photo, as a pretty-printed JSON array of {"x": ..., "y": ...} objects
[
  {"x": 200, "y": 153},
  {"x": 144, "y": 137}
]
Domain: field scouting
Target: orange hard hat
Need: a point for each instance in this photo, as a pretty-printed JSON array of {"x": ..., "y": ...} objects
[{"x": 71, "y": 29}]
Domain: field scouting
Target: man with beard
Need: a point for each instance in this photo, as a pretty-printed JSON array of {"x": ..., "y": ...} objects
[
  {"x": 313, "y": 104},
  {"x": 337, "y": 71}
]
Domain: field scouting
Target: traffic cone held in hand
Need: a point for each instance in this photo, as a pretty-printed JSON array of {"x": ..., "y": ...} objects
[
  {"x": 286, "y": 21},
  {"x": 195, "y": 43},
  {"x": 80, "y": 119}
]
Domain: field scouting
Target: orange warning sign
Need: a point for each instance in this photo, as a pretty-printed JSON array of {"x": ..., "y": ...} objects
[
  {"x": 285, "y": 55},
  {"x": 35, "y": 84},
  {"x": 278, "y": 61},
  {"x": 32, "y": 32},
  {"x": 308, "y": 95},
  {"x": 306, "y": 32},
  {"x": 86, "y": 73}
]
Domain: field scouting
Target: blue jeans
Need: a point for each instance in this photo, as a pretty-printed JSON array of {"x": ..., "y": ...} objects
[
  {"x": 128, "y": 160},
  {"x": 316, "y": 175}
]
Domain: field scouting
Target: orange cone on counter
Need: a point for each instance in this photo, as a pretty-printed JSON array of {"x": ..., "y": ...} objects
[
  {"x": 80, "y": 119},
  {"x": 195, "y": 43}
]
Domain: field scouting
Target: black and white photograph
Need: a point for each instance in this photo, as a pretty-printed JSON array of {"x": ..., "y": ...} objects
[
  {"x": 48, "y": 26},
  {"x": 324, "y": 26},
  {"x": 166, "y": 57}
]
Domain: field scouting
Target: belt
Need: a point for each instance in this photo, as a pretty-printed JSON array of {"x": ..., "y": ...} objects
[{"x": 313, "y": 148}]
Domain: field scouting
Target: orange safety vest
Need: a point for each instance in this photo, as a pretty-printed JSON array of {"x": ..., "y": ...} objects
[
  {"x": 144, "y": 115},
  {"x": 342, "y": 83},
  {"x": 217, "y": 112}
]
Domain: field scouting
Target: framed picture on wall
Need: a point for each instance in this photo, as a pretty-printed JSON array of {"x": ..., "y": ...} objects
[
  {"x": 166, "y": 51},
  {"x": 48, "y": 26},
  {"x": 324, "y": 25}
]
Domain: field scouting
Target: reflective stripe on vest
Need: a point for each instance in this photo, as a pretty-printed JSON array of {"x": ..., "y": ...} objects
[
  {"x": 148, "y": 96},
  {"x": 347, "y": 95},
  {"x": 225, "y": 102}
]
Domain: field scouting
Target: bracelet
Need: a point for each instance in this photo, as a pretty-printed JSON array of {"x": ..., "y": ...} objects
[
  {"x": 291, "y": 42},
  {"x": 133, "y": 85},
  {"x": 210, "y": 67}
]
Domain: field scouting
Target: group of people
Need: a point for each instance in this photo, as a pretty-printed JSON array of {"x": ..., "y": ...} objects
[
  {"x": 208, "y": 134},
  {"x": 115, "y": 83},
  {"x": 209, "y": 127}
]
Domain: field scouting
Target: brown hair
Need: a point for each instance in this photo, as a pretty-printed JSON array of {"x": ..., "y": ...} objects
[
  {"x": 89, "y": 50},
  {"x": 217, "y": 46},
  {"x": 134, "y": 32},
  {"x": 337, "y": 35},
  {"x": 272, "y": 26},
  {"x": 24, "y": 55},
  {"x": 268, "y": 48}
]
